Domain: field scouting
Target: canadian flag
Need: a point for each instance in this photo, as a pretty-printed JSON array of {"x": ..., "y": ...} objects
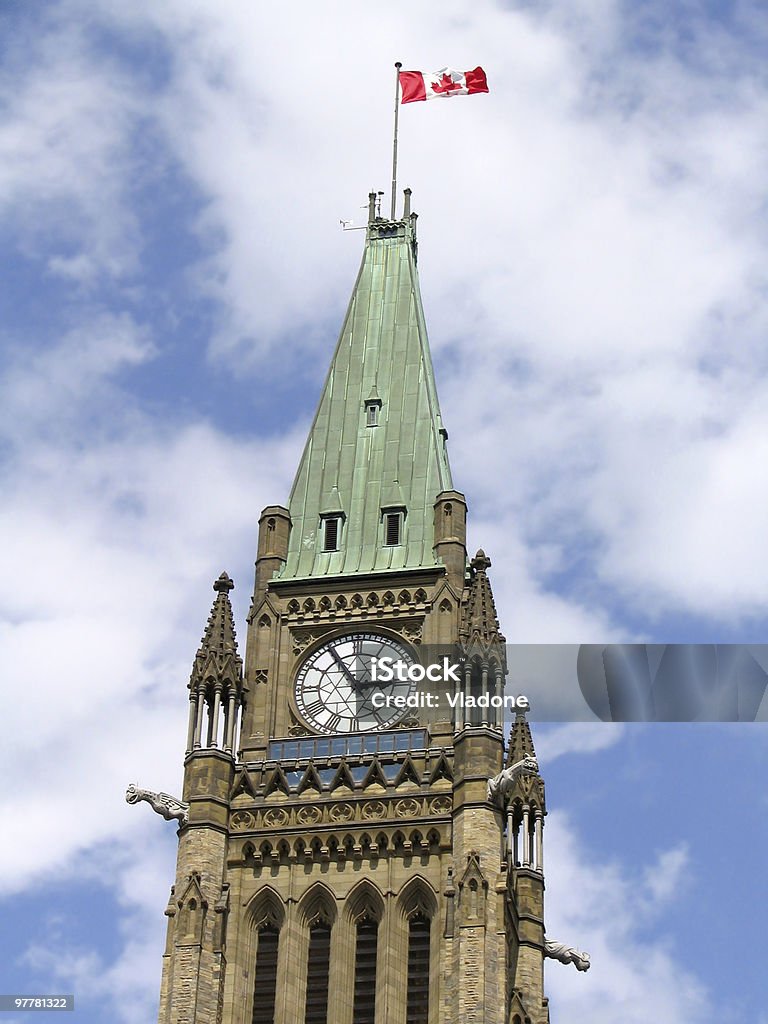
[{"x": 428, "y": 85}]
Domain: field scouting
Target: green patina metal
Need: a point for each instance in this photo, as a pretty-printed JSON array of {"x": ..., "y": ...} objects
[{"x": 359, "y": 470}]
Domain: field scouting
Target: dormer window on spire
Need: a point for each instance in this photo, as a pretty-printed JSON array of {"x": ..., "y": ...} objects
[
  {"x": 331, "y": 524},
  {"x": 372, "y": 408},
  {"x": 372, "y": 414},
  {"x": 332, "y": 521},
  {"x": 393, "y": 520},
  {"x": 331, "y": 534},
  {"x": 393, "y": 528}
]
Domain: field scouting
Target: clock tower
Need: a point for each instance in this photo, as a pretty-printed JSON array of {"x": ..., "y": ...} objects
[{"x": 344, "y": 859}]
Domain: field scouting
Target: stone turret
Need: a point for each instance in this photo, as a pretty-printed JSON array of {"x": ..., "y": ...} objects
[
  {"x": 525, "y": 812},
  {"x": 195, "y": 957}
]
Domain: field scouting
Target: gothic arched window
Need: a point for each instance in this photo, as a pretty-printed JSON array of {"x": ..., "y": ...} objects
[
  {"x": 418, "y": 970},
  {"x": 318, "y": 965},
  {"x": 265, "y": 983},
  {"x": 366, "y": 942}
]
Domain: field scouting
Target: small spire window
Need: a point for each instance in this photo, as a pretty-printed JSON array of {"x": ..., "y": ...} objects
[
  {"x": 393, "y": 528},
  {"x": 372, "y": 409},
  {"x": 331, "y": 533}
]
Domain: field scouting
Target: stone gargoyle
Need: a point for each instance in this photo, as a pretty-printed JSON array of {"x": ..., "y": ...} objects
[{"x": 163, "y": 803}]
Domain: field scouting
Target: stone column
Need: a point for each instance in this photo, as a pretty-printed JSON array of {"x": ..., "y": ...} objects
[
  {"x": 288, "y": 954},
  {"x": 192, "y": 721},
  {"x": 539, "y": 827},
  {"x": 341, "y": 981},
  {"x": 229, "y": 738},
  {"x": 467, "y": 715},
  {"x": 214, "y": 724},
  {"x": 486, "y": 715},
  {"x": 199, "y": 723},
  {"x": 392, "y": 964},
  {"x": 458, "y": 710}
]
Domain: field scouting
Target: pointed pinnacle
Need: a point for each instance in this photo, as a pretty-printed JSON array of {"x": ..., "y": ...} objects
[
  {"x": 481, "y": 561},
  {"x": 217, "y": 656},
  {"x": 223, "y": 584},
  {"x": 481, "y": 624},
  {"x": 520, "y": 739}
]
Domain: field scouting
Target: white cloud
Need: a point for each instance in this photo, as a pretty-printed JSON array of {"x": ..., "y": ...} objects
[
  {"x": 126, "y": 986},
  {"x": 117, "y": 525},
  {"x": 596, "y": 906},
  {"x": 47, "y": 390},
  {"x": 66, "y": 164},
  {"x": 577, "y": 738},
  {"x": 664, "y": 878}
]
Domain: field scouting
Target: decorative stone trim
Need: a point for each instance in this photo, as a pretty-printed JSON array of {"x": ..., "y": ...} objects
[
  {"x": 356, "y": 606},
  {"x": 341, "y": 846},
  {"x": 441, "y": 805},
  {"x": 275, "y": 817},
  {"x": 242, "y": 821}
]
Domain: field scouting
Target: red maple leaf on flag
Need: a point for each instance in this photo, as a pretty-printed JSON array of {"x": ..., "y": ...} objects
[{"x": 446, "y": 84}]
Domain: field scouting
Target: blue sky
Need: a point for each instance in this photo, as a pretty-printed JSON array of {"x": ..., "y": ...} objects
[{"x": 592, "y": 256}]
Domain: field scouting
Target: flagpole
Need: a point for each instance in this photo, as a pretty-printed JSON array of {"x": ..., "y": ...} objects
[{"x": 398, "y": 65}]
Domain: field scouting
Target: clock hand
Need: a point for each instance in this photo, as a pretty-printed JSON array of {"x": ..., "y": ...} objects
[
  {"x": 366, "y": 684},
  {"x": 344, "y": 669}
]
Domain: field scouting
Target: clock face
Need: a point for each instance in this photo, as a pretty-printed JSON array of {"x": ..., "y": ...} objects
[{"x": 335, "y": 690}]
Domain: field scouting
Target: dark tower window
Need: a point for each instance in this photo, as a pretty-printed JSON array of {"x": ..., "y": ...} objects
[
  {"x": 418, "y": 970},
  {"x": 265, "y": 984},
  {"x": 372, "y": 407},
  {"x": 364, "y": 1011},
  {"x": 318, "y": 965},
  {"x": 331, "y": 533},
  {"x": 393, "y": 528}
]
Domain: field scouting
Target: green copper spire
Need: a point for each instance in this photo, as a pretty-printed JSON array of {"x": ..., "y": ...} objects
[{"x": 375, "y": 459}]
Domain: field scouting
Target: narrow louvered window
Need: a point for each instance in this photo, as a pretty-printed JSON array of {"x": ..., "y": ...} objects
[
  {"x": 372, "y": 415},
  {"x": 331, "y": 534},
  {"x": 318, "y": 965},
  {"x": 265, "y": 984},
  {"x": 392, "y": 528},
  {"x": 418, "y": 970},
  {"x": 364, "y": 1011}
]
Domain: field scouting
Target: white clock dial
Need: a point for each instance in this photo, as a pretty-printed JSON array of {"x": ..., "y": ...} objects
[{"x": 335, "y": 691}]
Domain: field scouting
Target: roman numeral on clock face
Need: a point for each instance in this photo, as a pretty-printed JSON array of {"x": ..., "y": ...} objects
[{"x": 315, "y": 708}]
